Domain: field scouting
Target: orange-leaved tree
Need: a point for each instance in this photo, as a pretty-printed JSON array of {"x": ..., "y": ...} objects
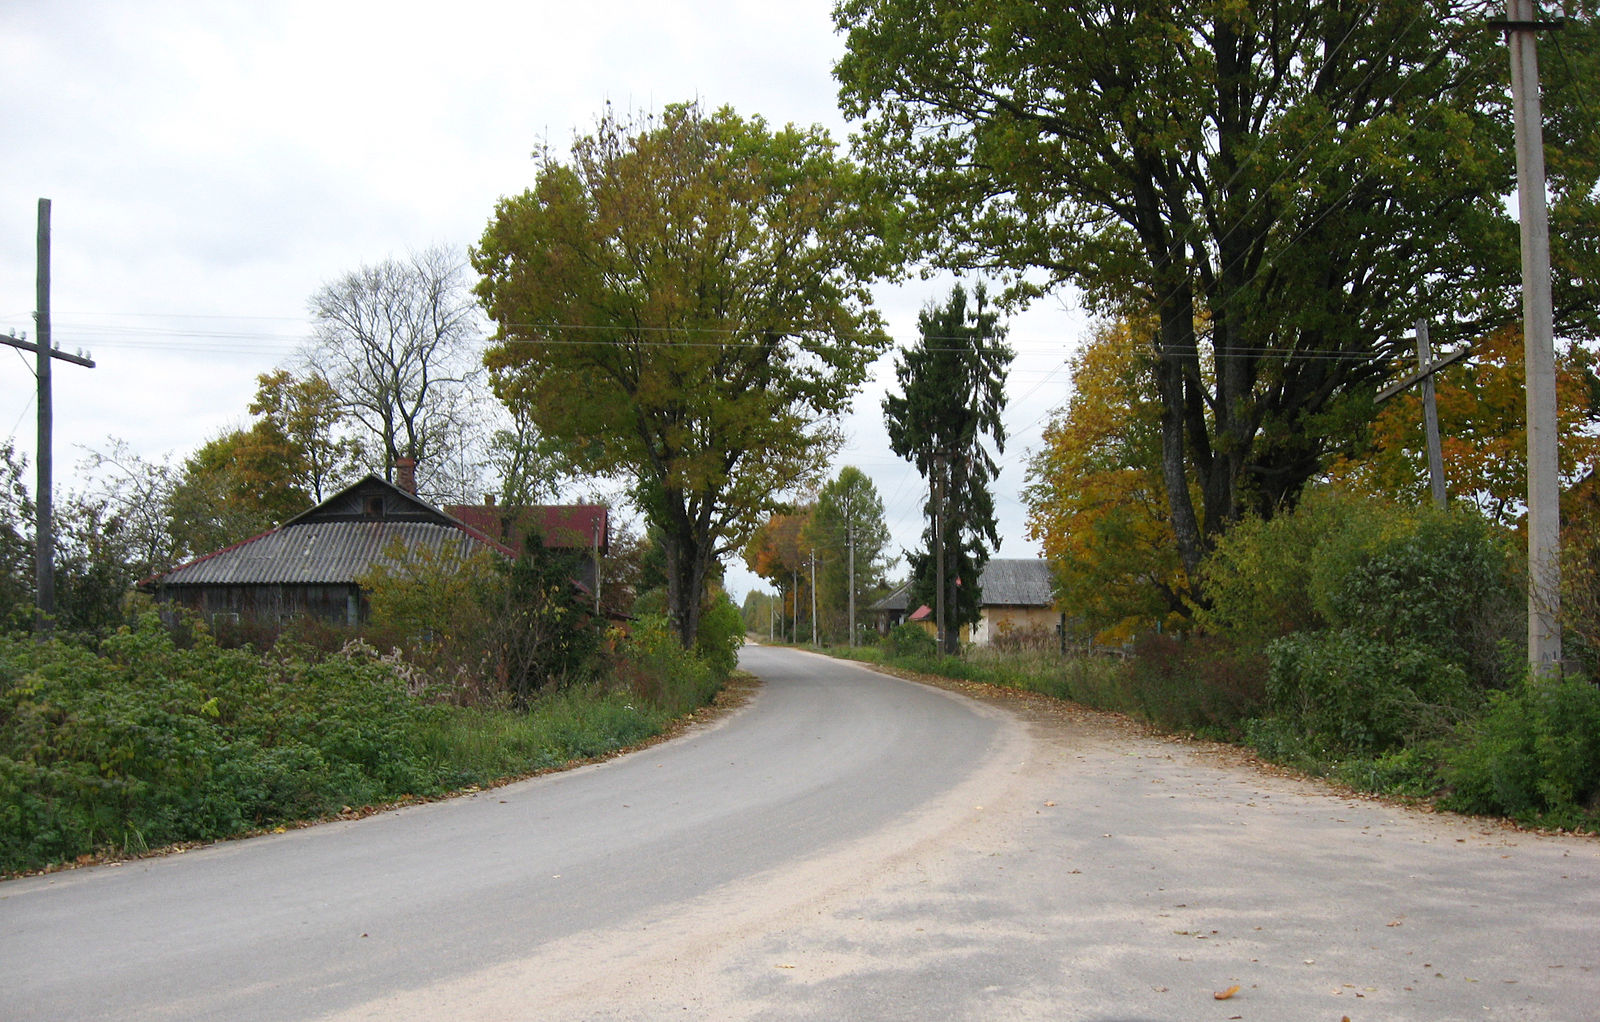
[
  {"x": 1095, "y": 494},
  {"x": 776, "y": 554},
  {"x": 1482, "y": 429}
]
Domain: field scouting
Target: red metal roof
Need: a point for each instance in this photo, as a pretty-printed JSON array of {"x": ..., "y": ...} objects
[{"x": 561, "y": 526}]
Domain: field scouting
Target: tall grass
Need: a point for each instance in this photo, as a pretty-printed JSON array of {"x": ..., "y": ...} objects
[{"x": 1174, "y": 685}]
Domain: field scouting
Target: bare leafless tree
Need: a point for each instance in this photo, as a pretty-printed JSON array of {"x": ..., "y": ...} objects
[{"x": 399, "y": 341}]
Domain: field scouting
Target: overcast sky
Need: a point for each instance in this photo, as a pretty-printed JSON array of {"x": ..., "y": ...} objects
[{"x": 211, "y": 164}]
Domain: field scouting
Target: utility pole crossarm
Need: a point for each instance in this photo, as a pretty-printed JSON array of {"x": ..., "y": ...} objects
[
  {"x": 17, "y": 342},
  {"x": 1412, "y": 379}
]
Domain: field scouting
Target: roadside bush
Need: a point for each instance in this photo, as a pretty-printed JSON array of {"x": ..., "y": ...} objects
[
  {"x": 483, "y": 627},
  {"x": 1534, "y": 756},
  {"x": 1345, "y": 692},
  {"x": 720, "y": 636},
  {"x": 909, "y": 641},
  {"x": 1195, "y": 684},
  {"x": 1436, "y": 579},
  {"x": 147, "y": 743},
  {"x": 652, "y": 664},
  {"x": 1258, "y": 579},
  {"x": 1403, "y": 576}
]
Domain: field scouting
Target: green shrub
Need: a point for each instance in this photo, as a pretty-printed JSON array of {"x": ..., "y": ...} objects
[
  {"x": 148, "y": 744},
  {"x": 909, "y": 641},
  {"x": 720, "y": 636},
  {"x": 1348, "y": 693},
  {"x": 141, "y": 742},
  {"x": 1411, "y": 772},
  {"x": 1534, "y": 756},
  {"x": 1403, "y": 576},
  {"x": 1423, "y": 577},
  {"x": 1258, "y": 578},
  {"x": 653, "y": 665}
]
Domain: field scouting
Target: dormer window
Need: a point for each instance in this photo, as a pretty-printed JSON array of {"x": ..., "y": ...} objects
[{"x": 374, "y": 507}]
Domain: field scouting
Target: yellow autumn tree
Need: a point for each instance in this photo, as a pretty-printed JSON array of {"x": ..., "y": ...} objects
[{"x": 1095, "y": 496}]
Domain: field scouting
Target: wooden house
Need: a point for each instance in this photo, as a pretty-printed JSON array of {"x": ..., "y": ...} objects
[{"x": 311, "y": 564}]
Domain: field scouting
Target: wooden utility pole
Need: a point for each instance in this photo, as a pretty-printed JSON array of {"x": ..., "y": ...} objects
[
  {"x": 1426, "y": 369},
  {"x": 938, "y": 549},
  {"x": 1430, "y": 417},
  {"x": 1544, "y": 487},
  {"x": 44, "y": 528},
  {"x": 814, "y": 596}
]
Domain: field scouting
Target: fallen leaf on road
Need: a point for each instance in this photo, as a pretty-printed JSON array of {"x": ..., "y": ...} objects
[{"x": 1223, "y": 995}]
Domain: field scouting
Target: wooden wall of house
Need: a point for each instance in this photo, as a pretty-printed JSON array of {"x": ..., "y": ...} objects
[{"x": 330, "y": 603}]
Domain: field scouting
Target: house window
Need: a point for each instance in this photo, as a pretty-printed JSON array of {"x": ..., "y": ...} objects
[{"x": 374, "y": 507}]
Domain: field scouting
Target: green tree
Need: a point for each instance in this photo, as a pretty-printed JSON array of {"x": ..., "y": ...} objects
[
  {"x": 952, "y": 393},
  {"x": 528, "y": 464},
  {"x": 685, "y": 303},
  {"x": 760, "y": 612},
  {"x": 1285, "y": 186},
  {"x": 16, "y": 543},
  {"x": 129, "y": 497},
  {"x": 777, "y": 552},
  {"x": 307, "y": 412},
  {"x": 235, "y": 486},
  {"x": 847, "y": 534}
]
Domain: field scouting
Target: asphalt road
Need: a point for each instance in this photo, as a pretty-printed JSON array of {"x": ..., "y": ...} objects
[{"x": 846, "y": 847}]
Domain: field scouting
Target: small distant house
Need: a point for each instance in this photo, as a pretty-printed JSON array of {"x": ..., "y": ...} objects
[
  {"x": 309, "y": 565},
  {"x": 1016, "y": 596},
  {"x": 891, "y": 610}
]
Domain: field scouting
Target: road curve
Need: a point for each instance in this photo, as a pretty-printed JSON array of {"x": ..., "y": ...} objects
[{"x": 332, "y": 918}]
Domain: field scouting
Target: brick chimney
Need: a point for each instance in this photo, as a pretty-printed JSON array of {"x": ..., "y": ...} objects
[{"x": 405, "y": 474}]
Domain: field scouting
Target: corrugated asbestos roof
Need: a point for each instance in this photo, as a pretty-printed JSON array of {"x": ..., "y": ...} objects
[
  {"x": 1017, "y": 582},
  {"x": 318, "y": 553},
  {"x": 1006, "y": 582},
  {"x": 896, "y": 600}
]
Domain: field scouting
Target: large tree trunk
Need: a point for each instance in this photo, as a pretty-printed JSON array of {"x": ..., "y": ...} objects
[
  {"x": 687, "y": 544},
  {"x": 1174, "y": 348}
]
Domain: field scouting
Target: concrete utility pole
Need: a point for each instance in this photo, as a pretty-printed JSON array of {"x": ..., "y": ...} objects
[
  {"x": 44, "y": 527},
  {"x": 1544, "y": 487},
  {"x": 1430, "y": 417}
]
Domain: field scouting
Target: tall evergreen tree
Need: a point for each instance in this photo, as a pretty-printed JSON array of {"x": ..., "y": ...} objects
[{"x": 952, "y": 393}]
